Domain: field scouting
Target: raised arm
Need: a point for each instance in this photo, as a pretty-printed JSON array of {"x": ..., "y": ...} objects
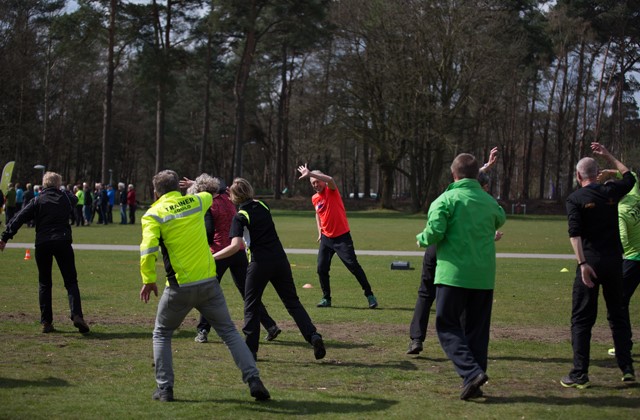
[
  {"x": 493, "y": 158},
  {"x": 306, "y": 173},
  {"x": 600, "y": 150}
]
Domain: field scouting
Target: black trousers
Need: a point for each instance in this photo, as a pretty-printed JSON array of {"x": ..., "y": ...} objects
[
  {"x": 585, "y": 311},
  {"x": 132, "y": 214},
  {"x": 278, "y": 272},
  {"x": 426, "y": 296},
  {"x": 466, "y": 343},
  {"x": 237, "y": 264},
  {"x": 630, "y": 282},
  {"x": 63, "y": 253},
  {"x": 343, "y": 246}
]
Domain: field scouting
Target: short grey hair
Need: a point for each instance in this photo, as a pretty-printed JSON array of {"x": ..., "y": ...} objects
[
  {"x": 166, "y": 181},
  {"x": 587, "y": 168}
]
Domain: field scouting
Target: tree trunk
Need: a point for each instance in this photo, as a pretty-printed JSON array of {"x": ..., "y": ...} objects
[
  {"x": 240, "y": 87},
  {"x": 205, "y": 110},
  {"x": 107, "y": 106},
  {"x": 545, "y": 133},
  {"x": 576, "y": 116},
  {"x": 280, "y": 124},
  {"x": 561, "y": 129}
]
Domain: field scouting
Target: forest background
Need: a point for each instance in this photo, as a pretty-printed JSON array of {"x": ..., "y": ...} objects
[{"x": 381, "y": 94}]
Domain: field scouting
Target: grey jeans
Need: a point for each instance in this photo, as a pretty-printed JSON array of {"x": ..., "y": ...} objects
[{"x": 174, "y": 305}]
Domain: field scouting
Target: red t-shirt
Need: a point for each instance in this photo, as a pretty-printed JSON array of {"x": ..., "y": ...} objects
[{"x": 330, "y": 209}]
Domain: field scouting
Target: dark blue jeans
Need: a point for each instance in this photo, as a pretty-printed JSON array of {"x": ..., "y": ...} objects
[
  {"x": 343, "y": 246},
  {"x": 426, "y": 296},
  {"x": 585, "y": 311},
  {"x": 278, "y": 272},
  {"x": 63, "y": 253},
  {"x": 466, "y": 343},
  {"x": 237, "y": 264}
]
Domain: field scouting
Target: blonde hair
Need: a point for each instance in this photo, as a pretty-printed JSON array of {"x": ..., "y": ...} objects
[
  {"x": 241, "y": 191},
  {"x": 51, "y": 179}
]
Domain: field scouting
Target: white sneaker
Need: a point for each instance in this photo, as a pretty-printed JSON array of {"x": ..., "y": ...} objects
[{"x": 202, "y": 337}]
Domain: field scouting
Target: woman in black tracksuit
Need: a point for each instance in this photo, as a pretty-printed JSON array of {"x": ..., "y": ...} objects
[
  {"x": 50, "y": 211},
  {"x": 268, "y": 263}
]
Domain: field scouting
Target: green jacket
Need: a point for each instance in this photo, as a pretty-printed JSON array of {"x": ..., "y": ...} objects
[
  {"x": 80, "y": 195},
  {"x": 462, "y": 222},
  {"x": 629, "y": 222},
  {"x": 175, "y": 224}
]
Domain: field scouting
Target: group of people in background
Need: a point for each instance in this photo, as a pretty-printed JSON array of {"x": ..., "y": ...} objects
[
  {"x": 95, "y": 203},
  {"x": 100, "y": 200},
  {"x": 15, "y": 198}
]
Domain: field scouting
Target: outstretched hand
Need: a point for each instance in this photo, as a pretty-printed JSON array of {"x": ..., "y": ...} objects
[
  {"x": 304, "y": 171},
  {"x": 185, "y": 183},
  {"x": 2, "y": 245}
]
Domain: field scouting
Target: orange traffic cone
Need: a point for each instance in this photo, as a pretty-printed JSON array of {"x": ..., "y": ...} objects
[{"x": 27, "y": 255}]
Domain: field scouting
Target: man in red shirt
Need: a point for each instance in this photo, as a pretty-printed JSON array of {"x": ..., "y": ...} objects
[{"x": 333, "y": 235}]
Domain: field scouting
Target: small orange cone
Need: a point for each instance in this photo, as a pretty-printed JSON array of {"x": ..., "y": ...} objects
[{"x": 27, "y": 255}]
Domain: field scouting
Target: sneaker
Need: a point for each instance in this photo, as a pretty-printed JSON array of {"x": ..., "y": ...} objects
[
  {"x": 572, "y": 381},
  {"x": 80, "y": 324},
  {"x": 324, "y": 303},
  {"x": 415, "y": 347},
  {"x": 272, "y": 333},
  {"x": 201, "y": 337},
  {"x": 318, "y": 347},
  {"x": 373, "y": 303},
  {"x": 163, "y": 394},
  {"x": 471, "y": 389},
  {"x": 47, "y": 328},
  {"x": 258, "y": 390},
  {"x": 628, "y": 375},
  {"x": 611, "y": 351}
]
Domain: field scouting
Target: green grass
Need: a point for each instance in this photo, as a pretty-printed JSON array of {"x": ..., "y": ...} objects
[
  {"x": 371, "y": 230},
  {"x": 109, "y": 373}
]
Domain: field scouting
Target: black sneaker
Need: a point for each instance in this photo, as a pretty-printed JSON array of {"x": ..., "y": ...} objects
[
  {"x": 80, "y": 324},
  {"x": 163, "y": 394},
  {"x": 318, "y": 347},
  {"x": 470, "y": 390},
  {"x": 628, "y": 375},
  {"x": 47, "y": 328},
  {"x": 258, "y": 390},
  {"x": 576, "y": 381},
  {"x": 272, "y": 333},
  {"x": 415, "y": 347}
]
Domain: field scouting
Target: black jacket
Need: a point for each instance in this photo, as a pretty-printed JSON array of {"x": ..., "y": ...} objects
[{"x": 51, "y": 211}]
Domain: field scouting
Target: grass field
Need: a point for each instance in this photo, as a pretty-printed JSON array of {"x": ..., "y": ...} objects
[{"x": 366, "y": 374}]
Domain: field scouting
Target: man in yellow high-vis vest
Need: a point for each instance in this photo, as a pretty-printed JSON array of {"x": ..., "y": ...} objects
[{"x": 175, "y": 225}]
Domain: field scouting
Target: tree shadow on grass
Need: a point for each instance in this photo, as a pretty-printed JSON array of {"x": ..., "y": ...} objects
[
  {"x": 328, "y": 345},
  {"x": 301, "y": 407},
  {"x": 22, "y": 383},
  {"x": 586, "y": 400},
  {"x": 393, "y": 364}
]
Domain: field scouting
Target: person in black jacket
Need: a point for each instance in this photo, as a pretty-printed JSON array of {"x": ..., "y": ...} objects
[
  {"x": 592, "y": 213},
  {"x": 51, "y": 210}
]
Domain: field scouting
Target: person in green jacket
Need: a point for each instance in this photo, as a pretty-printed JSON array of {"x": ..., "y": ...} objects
[
  {"x": 175, "y": 225},
  {"x": 462, "y": 223}
]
